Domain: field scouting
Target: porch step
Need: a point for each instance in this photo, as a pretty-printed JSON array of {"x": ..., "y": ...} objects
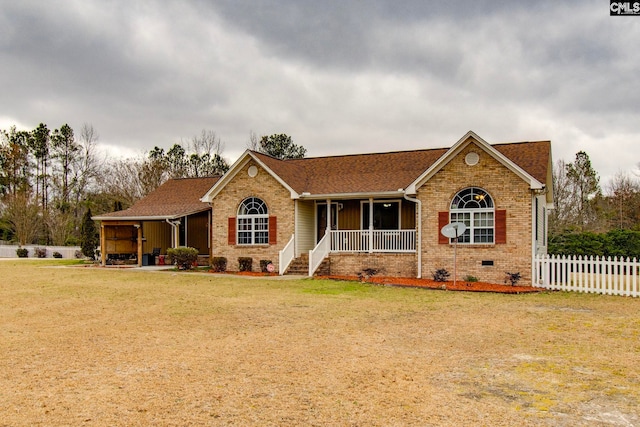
[{"x": 300, "y": 266}]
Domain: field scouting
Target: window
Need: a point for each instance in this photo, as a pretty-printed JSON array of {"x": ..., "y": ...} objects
[
  {"x": 386, "y": 215},
  {"x": 253, "y": 222},
  {"x": 474, "y": 207}
]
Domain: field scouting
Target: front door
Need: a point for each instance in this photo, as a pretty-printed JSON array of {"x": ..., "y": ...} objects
[{"x": 321, "y": 219}]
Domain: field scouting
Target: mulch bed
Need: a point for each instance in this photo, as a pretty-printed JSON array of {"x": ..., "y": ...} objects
[{"x": 432, "y": 284}]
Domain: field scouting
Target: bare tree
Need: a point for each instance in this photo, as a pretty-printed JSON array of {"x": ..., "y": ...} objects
[
  {"x": 87, "y": 166},
  {"x": 254, "y": 142},
  {"x": 206, "y": 143},
  {"x": 60, "y": 224},
  {"x": 563, "y": 214},
  {"x": 623, "y": 193},
  {"x": 23, "y": 215}
]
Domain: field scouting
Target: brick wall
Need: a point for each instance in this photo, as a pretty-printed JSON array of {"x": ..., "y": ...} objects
[
  {"x": 225, "y": 205},
  {"x": 509, "y": 192},
  {"x": 393, "y": 265}
]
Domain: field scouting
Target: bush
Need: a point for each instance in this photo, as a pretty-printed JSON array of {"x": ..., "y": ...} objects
[
  {"x": 219, "y": 264},
  {"x": 79, "y": 255},
  {"x": 441, "y": 275},
  {"x": 264, "y": 264},
  {"x": 57, "y": 255},
  {"x": 620, "y": 243},
  {"x": 470, "y": 278},
  {"x": 183, "y": 257},
  {"x": 514, "y": 278},
  {"x": 22, "y": 252},
  {"x": 40, "y": 252},
  {"x": 245, "y": 264}
]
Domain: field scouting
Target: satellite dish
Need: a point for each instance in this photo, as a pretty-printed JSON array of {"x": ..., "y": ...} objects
[{"x": 453, "y": 230}]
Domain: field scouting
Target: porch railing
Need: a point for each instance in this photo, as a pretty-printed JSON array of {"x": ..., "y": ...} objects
[
  {"x": 286, "y": 255},
  {"x": 319, "y": 253},
  {"x": 373, "y": 241}
]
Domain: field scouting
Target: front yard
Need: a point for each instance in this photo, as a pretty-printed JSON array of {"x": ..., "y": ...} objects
[{"x": 91, "y": 346}]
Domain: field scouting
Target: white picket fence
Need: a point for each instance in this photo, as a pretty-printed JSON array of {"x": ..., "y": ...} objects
[
  {"x": 9, "y": 251},
  {"x": 610, "y": 276}
]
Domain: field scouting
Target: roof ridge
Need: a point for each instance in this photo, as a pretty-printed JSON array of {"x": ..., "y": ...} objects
[{"x": 416, "y": 150}]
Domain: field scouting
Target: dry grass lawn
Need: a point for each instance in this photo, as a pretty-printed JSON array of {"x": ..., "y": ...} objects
[{"x": 93, "y": 346}]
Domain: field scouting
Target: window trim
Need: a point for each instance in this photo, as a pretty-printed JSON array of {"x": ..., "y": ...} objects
[
  {"x": 474, "y": 213},
  {"x": 252, "y": 232}
]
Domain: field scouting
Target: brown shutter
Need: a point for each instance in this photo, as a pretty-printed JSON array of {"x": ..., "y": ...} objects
[
  {"x": 501, "y": 227},
  {"x": 443, "y": 219},
  {"x": 273, "y": 230},
  {"x": 231, "y": 239}
]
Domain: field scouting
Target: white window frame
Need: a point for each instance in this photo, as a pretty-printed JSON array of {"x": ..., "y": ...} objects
[
  {"x": 477, "y": 213},
  {"x": 252, "y": 228}
]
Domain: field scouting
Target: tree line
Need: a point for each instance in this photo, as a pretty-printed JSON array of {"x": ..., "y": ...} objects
[
  {"x": 591, "y": 220},
  {"x": 51, "y": 179}
]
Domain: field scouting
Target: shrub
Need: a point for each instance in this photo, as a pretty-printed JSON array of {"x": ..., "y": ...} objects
[
  {"x": 617, "y": 242},
  {"x": 90, "y": 238},
  {"x": 40, "y": 252},
  {"x": 183, "y": 257},
  {"x": 22, "y": 252},
  {"x": 367, "y": 273},
  {"x": 57, "y": 255},
  {"x": 470, "y": 278},
  {"x": 264, "y": 263},
  {"x": 513, "y": 278},
  {"x": 441, "y": 275},
  {"x": 79, "y": 255},
  {"x": 219, "y": 264},
  {"x": 245, "y": 263}
]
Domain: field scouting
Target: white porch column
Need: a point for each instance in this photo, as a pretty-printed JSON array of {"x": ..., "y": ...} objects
[
  {"x": 328, "y": 216},
  {"x": 328, "y": 232},
  {"x": 370, "y": 225}
]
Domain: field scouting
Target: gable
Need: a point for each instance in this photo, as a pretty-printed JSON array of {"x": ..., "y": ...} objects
[
  {"x": 531, "y": 157},
  {"x": 252, "y": 180}
]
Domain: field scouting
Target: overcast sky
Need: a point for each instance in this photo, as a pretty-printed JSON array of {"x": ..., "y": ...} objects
[{"x": 339, "y": 77}]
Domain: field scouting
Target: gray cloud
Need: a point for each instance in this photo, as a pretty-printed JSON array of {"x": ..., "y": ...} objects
[{"x": 340, "y": 77}]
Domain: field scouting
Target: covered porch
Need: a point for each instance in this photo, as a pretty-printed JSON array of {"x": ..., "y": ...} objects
[{"x": 373, "y": 225}]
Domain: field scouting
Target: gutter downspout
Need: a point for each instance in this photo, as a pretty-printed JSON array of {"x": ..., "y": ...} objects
[
  {"x": 175, "y": 238},
  {"x": 419, "y": 236}
]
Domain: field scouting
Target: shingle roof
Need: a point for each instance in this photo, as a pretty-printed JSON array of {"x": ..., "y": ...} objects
[
  {"x": 174, "y": 198},
  {"x": 388, "y": 172}
]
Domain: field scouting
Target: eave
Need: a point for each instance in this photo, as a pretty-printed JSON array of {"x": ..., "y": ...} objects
[
  {"x": 148, "y": 217},
  {"x": 345, "y": 196}
]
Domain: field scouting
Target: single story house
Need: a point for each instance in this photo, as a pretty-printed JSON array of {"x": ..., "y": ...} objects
[
  {"x": 385, "y": 211},
  {"x": 173, "y": 215}
]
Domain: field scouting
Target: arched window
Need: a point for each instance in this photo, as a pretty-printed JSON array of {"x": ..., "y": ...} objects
[
  {"x": 474, "y": 207},
  {"x": 253, "y": 222}
]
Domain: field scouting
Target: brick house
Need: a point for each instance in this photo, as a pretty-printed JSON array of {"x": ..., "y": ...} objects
[{"x": 385, "y": 211}]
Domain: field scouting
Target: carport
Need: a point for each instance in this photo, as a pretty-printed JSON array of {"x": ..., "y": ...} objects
[{"x": 169, "y": 217}]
